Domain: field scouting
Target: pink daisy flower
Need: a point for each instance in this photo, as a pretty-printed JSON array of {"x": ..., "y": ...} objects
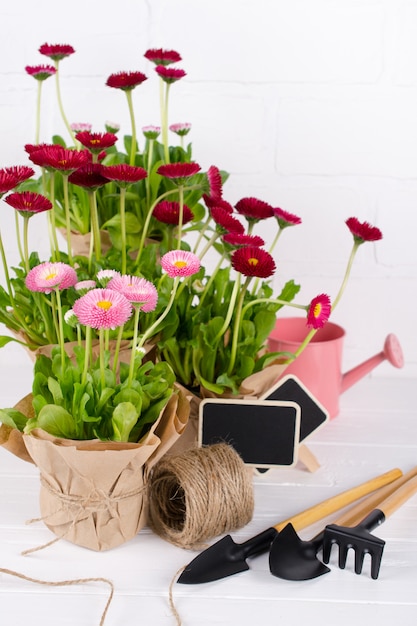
[
  {"x": 56, "y": 51},
  {"x": 95, "y": 142},
  {"x": 319, "y": 311},
  {"x": 180, "y": 128},
  {"x": 84, "y": 285},
  {"x": 363, "y": 231},
  {"x": 112, "y": 127},
  {"x": 226, "y": 222},
  {"x": 169, "y": 213},
  {"x": 79, "y": 127},
  {"x": 162, "y": 57},
  {"x": 124, "y": 174},
  {"x": 10, "y": 177},
  {"x": 137, "y": 290},
  {"x": 254, "y": 209},
  {"x": 169, "y": 74},
  {"x": 151, "y": 132},
  {"x": 125, "y": 80},
  {"x": 180, "y": 263},
  {"x": 40, "y": 72},
  {"x": 285, "y": 219},
  {"x": 104, "y": 276},
  {"x": 49, "y": 276},
  {"x": 237, "y": 239},
  {"x": 28, "y": 202},
  {"x": 253, "y": 261},
  {"x": 179, "y": 172},
  {"x": 102, "y": 308}
]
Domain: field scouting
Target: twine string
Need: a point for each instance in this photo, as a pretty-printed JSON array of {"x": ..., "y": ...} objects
[
  {"x": 200, "y": 494},
  {"x": 63, "y": 583}
]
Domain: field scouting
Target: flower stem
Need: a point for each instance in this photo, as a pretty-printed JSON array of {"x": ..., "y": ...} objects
[
  {"x": 148, "y": 220},
  {"x": 58, "y": 95},
  {"x": 229, "y": 313},
  {"x": 149, "y": 167},
  {"x": 101, "y": 348},
  {"x": 155, "y": 325},
  {"x": 164, "y": 116},
  {"x": 117, "y": 349},
  {"x": 6, "y": 271},
  {"x": 134, "y": 346},
  {"x": 61, "y": 329},
  {"x": 236, "y": 328},
  {"x": 134, "y": 147},
  {"x": 123, "y": 226},
  {"x": 18, "y": 239},
  {"x": 356, "y": 245},
  {"x": 38, "y": 112},
  {"x": 181, "y": 214},
  {"x": 94, "y": 224},
  {"x": 67, "y": 217},
  {"x": 51, "y": 216},
  {"x": 26, "y": 241},
  {"x": 86, "y": 354}
]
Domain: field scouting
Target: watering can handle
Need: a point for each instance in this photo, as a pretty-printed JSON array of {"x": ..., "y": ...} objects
[{"x": 331, "y": 505}]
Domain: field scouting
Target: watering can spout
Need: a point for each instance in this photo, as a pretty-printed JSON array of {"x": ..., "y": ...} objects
[{"x": 391, "y": 352}]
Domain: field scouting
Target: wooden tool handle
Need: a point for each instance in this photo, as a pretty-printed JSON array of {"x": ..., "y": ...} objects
[
  {"x": 358, "y": 511},
  {"x": 393, "y": 502},
  {"x": 329, "y": 506}
]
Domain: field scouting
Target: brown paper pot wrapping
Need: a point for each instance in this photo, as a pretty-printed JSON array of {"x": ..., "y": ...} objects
[{"x": 93, "y": 493}]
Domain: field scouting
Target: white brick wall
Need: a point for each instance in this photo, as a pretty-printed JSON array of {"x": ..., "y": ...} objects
[{"x": 311, "y": 106}]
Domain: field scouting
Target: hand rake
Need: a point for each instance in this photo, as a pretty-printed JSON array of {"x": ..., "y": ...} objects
[{"x": 360, "y": 539}]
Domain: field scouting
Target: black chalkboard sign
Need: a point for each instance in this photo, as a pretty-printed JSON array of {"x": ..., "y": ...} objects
[
  {"x": 313, "y": 414},
  {"x": 265, "y": 433}
]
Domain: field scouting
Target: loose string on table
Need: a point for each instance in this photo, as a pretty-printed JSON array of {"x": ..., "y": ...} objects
[{"x": 64, "y": 583}]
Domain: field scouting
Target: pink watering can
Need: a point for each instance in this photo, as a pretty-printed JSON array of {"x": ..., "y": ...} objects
[{"x": 319, "y": 366}]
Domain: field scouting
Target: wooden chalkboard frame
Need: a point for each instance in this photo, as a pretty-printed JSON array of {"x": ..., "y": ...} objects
[{"x": 266, "y": 433}]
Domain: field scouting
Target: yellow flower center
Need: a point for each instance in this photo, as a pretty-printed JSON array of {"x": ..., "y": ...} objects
[
  {"x": 253, "y": 261},
  {"x": 94, "y": 142},
  {"x": 180, "y": 263},
  {"x": 317, "y": 310},
  {"x": 104, "y": 304},
  {"x": 50, "y": 276}
]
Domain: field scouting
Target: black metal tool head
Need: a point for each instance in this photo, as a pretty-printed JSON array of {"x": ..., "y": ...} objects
[
  {"x": 358, "y": 539},
  {"x": 225, "y": 558},
  {"x": 292, "y": 558},
  {"x": 218, "y": 561}
]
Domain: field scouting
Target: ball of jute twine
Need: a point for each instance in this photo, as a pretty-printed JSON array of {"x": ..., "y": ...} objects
[{"x": 200, "y": 494}]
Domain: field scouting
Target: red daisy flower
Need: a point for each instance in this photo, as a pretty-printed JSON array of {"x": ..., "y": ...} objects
[
  {"x": 90, "y": 176},
  {"x": 56, "y": 51},
  {"x": 286, "y": 219},
  {"x": 237, "y": 239},
  {"x": 254, "y": 209},
  {"x": 169, "y": 74},
  {"x": 40, "y": 72},
  {"x": 169, "y": 213},
  {"x": 125, "y": 80},
  {"x": 253, "y": 261},
  {"x": 124, "y": 174},
  {"x": 10, "y": 177},
  {"x": 179, "y": 172},
  {"x": 30, "y": 147},
  {"x": 28, "y": 202},
  {"x": 363, "y": 231},
  {"x": 215, "y": 182},
  {"x": 217, "y": 202},
  {"x": 162, "y": 57},
  {"x": 95, "y": 142},
  {"x": 226, "y": 222},
  {"x": 56, "y": 157},
  {"x": 319, "y": 311}
]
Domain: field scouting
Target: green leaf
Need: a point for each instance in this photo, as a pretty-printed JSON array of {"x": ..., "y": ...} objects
[
  {"x": 13, "y": 418},
  {"x": 55, "y": 420},
  {"x": 123, "y": 420}
]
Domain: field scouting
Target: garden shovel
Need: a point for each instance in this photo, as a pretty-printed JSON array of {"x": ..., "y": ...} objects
[
  {"x": 292, "y": 558},
  {"x": 360, "y": 539},
  {"x": 225, "y": 557}
]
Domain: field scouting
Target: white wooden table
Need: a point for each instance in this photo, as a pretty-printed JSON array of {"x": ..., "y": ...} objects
[{"x": 375, "y": 431}]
